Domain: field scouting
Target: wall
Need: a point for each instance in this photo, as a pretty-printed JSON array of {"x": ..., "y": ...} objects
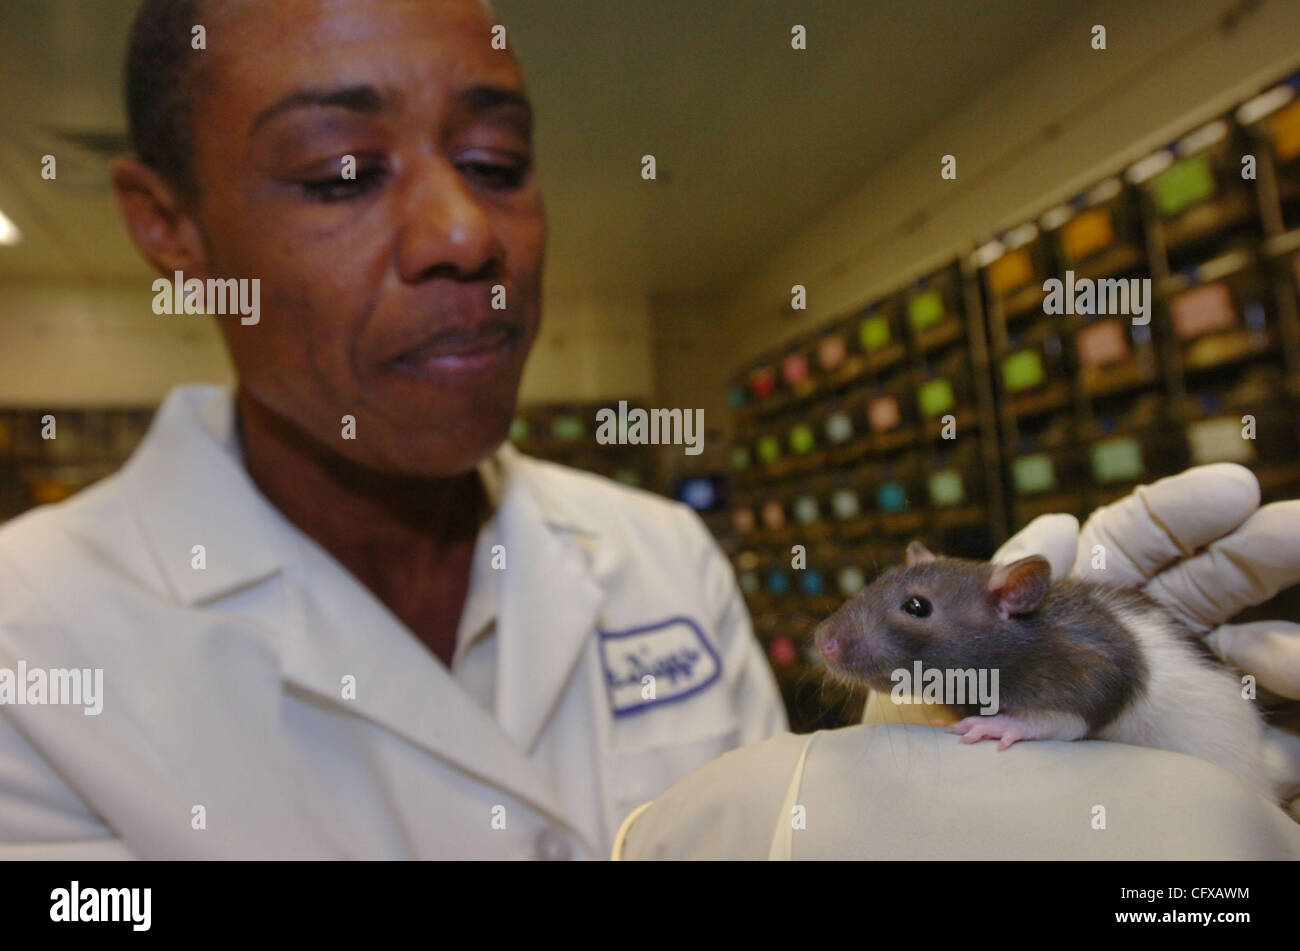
[
  {"x": 593, "y": 344},
  {"x": 99, "y": 346}
]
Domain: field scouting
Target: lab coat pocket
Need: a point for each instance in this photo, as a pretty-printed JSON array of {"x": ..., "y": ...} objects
[{"x": 640, "y": 776}]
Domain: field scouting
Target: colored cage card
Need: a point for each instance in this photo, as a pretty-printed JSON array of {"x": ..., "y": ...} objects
[
  {"x": 850, "y": 580},
  {"x": 1117, "y": 460},
  {"x": 844, "y": 503},
  {"x": 801, "y": 439},
  {"x": 873, "y": 332},
  {"x": 839, "y": 427},
  {"x": 935, "y": 397},
  {"x": 794, "y": 369},
  {"x": 743, "y": 520},
  {"x": 1203, "y": 310},
  {"x": 946, "y": 488},
  {"x": 925, "y": 309},
  {"x": 1219, "y": 440},
  {"x": 805, "y": 510},
  {"x": 1285, "y": 126},
  {"x": 831, "y": 352},
  {"x": 1087, "y": 233},
  {"x": 891, "y": 497},
  {"x": 768, "y": 448},
  {"x": 1023, "y": 370},
  {"x": 568, "y": 428},
  {"x": 1102, "y": 343},
  {"x": 884, "y": 414},
  {"x": 1183, "y": 184},
  {"x": 1010, "y": 272},
  {"x": 1033, "y": 474}
]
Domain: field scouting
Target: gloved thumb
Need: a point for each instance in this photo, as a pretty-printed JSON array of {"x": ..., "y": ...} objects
[{"x": 1055, "y": 537}]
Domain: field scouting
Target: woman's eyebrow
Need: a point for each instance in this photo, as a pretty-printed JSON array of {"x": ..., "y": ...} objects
[
  {"x": 368, "y": 100},
  {"x": 484, "y": 98},
  {"x": 363, "y": 99}
]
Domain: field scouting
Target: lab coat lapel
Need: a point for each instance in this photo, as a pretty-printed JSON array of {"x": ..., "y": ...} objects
[
  {"x": 550, "y": 601},
  {"x": 339, "y": 629}
]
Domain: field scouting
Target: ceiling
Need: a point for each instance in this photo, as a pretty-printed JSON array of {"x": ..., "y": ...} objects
[{"x": 751, "y": 137}]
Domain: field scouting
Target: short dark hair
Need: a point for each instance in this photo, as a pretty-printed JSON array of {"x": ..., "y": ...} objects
[{"x": 160, "y": 71}]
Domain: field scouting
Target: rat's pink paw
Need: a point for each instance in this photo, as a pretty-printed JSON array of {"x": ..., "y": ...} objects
[{"x": 1003, "y": 729}]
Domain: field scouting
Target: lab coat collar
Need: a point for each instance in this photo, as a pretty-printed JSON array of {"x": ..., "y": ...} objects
[
  {"x": 550, "y": 598},
  {"x": 188, "y": 487}
]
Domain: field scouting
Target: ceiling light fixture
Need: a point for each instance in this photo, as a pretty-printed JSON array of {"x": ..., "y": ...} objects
[{"x": 9, "y": 233}]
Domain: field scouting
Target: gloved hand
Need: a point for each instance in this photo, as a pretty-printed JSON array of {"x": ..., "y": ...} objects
[{"x": 1199, "y": 543}]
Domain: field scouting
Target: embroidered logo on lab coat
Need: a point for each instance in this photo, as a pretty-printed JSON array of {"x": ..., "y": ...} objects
[{"x": 674, "y": 652}]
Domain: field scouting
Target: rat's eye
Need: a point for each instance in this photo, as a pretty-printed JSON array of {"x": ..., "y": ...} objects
[{"x": 917, "y": 606}]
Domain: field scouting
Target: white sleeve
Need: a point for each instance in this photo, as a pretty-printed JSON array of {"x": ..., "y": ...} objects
[
  {"x": 726, "y": 809},
  {"x": 881, "y": 792}
]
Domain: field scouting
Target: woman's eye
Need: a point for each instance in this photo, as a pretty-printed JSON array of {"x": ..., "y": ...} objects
[
  {"x": 337, "y": 188},
  {"x": 917, "y": 606},
  {"x": 494, "y": 176}
]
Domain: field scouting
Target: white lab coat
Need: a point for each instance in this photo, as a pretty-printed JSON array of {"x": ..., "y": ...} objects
[{"x": 225, "y": 730}]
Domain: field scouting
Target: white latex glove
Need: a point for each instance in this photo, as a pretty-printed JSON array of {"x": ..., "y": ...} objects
[{"x": 1199, "y": 543}]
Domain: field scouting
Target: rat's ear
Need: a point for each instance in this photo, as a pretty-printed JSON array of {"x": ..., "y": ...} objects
[
  {"x": 918, "y": 554},
  {"x": 1020, "y": 585}
]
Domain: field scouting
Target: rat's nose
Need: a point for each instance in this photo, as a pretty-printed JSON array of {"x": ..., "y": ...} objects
[{"x": 830, "y": 648}]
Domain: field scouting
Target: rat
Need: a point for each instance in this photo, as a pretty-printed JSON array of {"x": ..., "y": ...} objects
[{"x": 1074, "y": 659}]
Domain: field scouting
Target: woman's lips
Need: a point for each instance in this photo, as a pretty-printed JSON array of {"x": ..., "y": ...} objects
[{"x": 456, "y": 353}]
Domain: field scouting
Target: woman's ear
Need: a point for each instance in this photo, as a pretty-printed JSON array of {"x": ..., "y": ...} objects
[
  {"x": 1019, "y": 587},
  {"x": 158, "y": 220}
]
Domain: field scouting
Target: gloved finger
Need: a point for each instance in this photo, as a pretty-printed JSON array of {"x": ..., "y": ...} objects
[
  {"x": 1282, "y": 760},
  {"x": 1270, "y": 650},
  {"x": 1157, "y": 524},
  {"x": 1055, "y": 537},
  {"x": 1246, "y": 568}
]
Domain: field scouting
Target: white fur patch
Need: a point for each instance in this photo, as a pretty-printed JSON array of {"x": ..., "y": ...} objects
[{"x": 1189, "y": 705}]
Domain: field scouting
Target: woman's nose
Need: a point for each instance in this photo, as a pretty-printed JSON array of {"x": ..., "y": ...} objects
[{"x": 446, "y": 228}]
